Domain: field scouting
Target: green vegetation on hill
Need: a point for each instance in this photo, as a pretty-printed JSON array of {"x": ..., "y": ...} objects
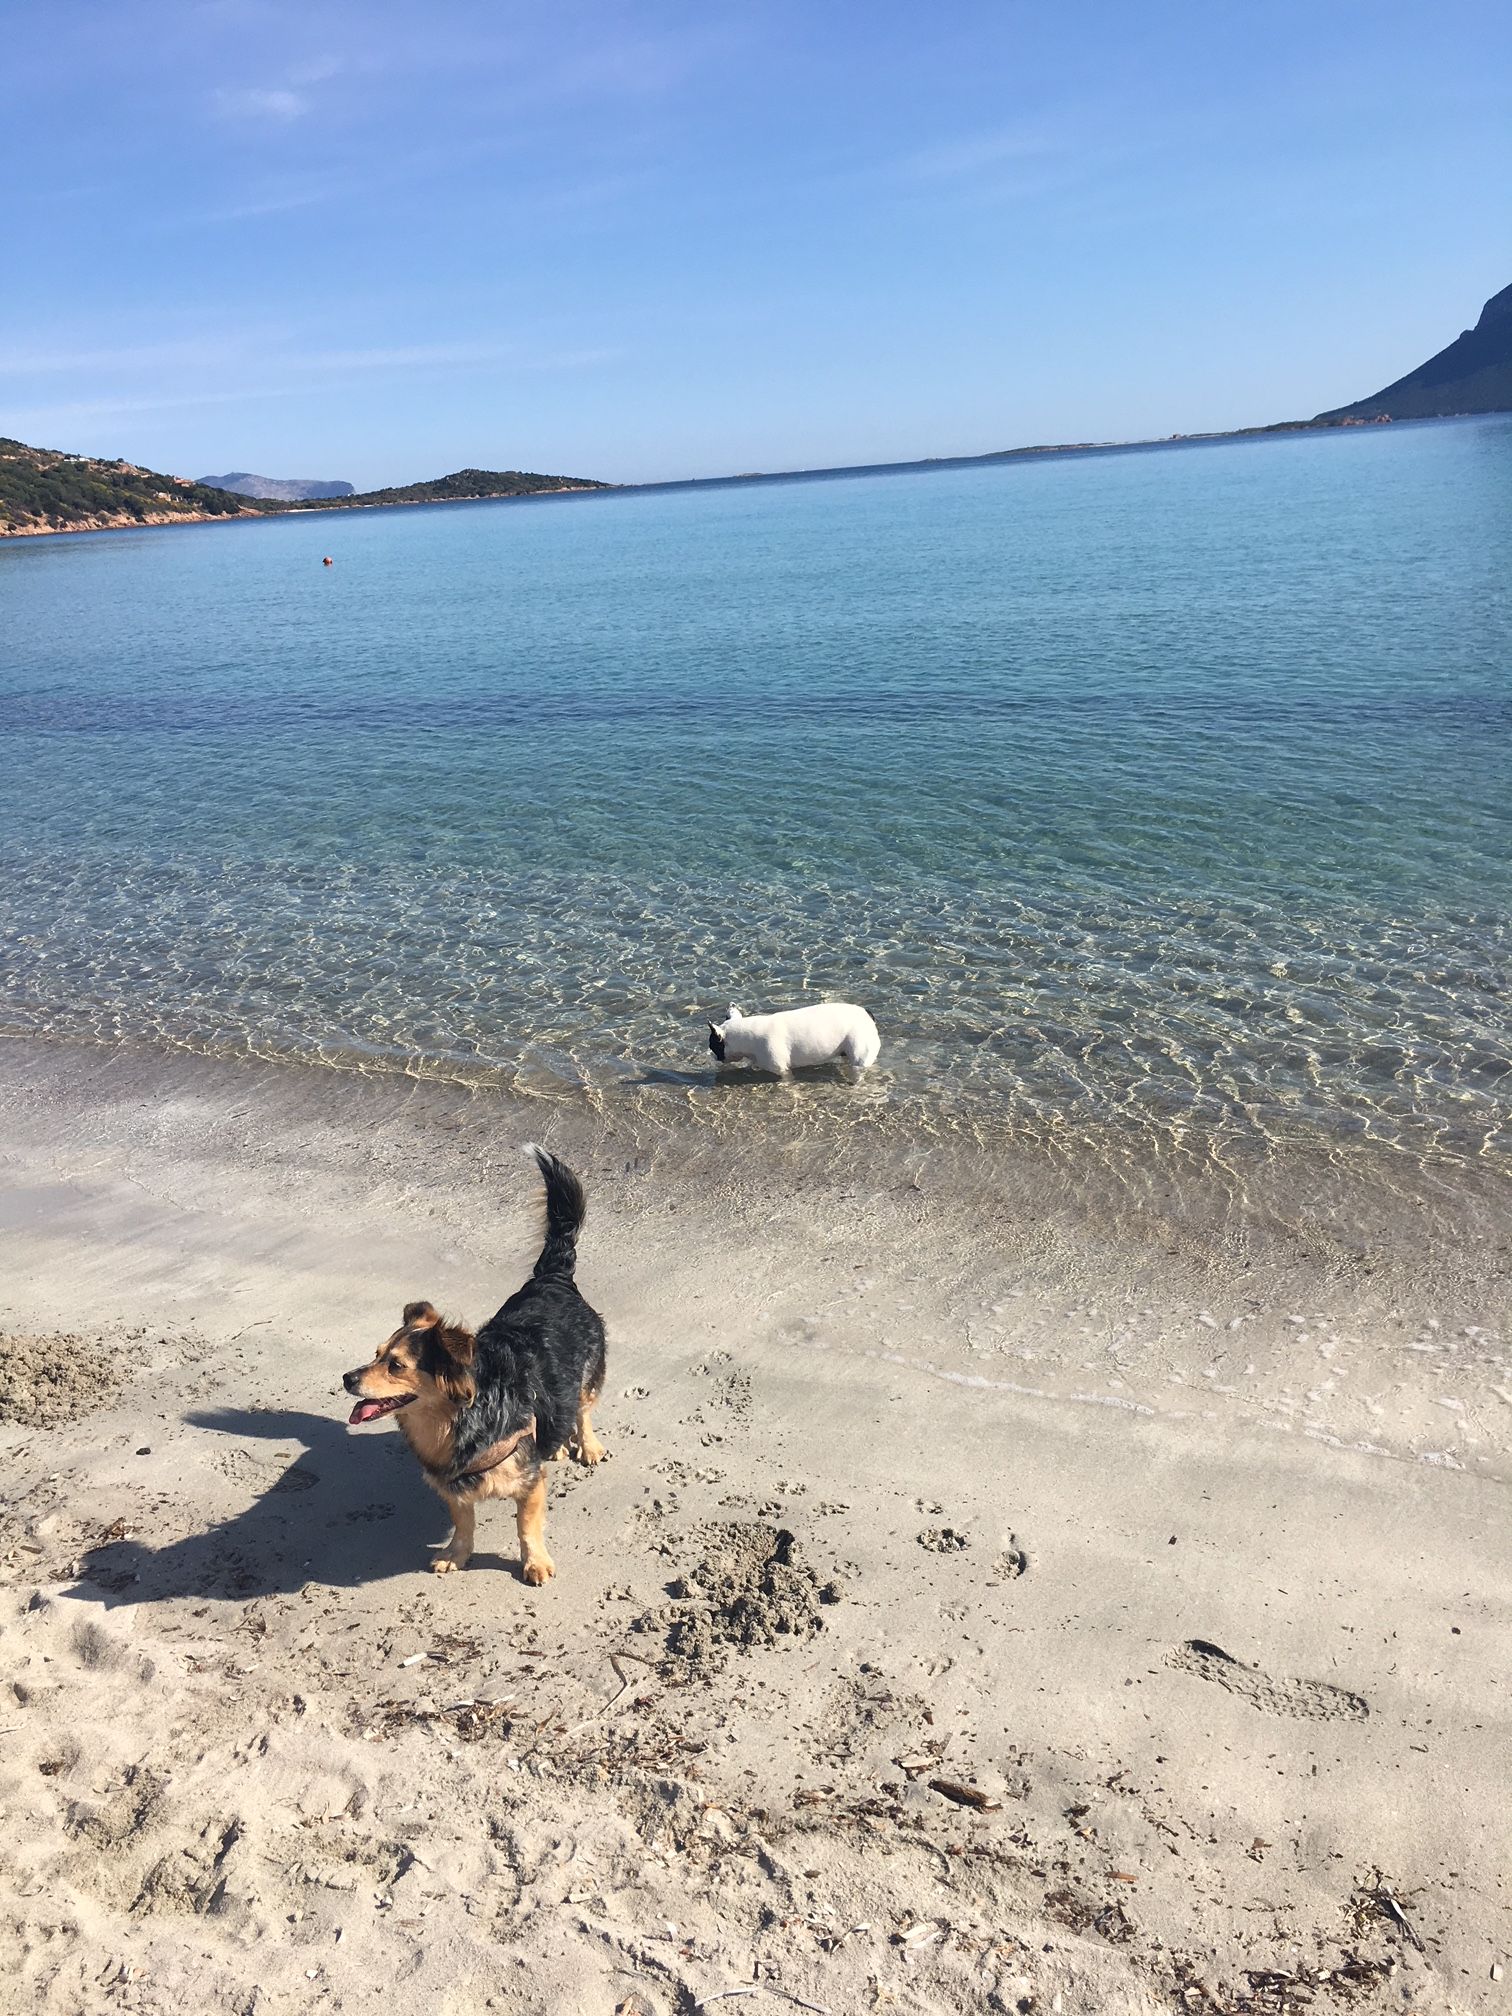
[
  {"x": 44, "y": 491},
  {"x": 464, "y": 483}
]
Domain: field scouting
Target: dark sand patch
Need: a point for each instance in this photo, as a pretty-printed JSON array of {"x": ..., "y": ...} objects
[
  {"x": 46, "y": 1382},
  {"x": 749, "y": 1587}
]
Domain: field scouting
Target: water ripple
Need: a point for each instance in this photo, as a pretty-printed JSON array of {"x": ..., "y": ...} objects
[{"x": 1157, "y": 801}]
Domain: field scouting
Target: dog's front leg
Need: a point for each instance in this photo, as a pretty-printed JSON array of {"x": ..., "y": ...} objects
[{"x": 458, "y": 1550}]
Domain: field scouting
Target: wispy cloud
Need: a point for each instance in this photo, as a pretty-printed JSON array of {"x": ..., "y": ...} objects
[
  {"x": 281, "y": 103},
  {"x": 571, "y": 360},
  {"x": 447, "y": 356},
  {"x": 267, "y": 369},
  {"x": 1028, "y": 162},
  {"x": 979, "y": 153},
  {"x": 35, "y": 422},
  {"x": 318, "y": 70},
  {"x": 641, "y": 64},
  {"x": 276, "y": 350},
  {"x": 399, "y": 357},
  {"x": 584, "y": 200},
  {"x": 259, "y": 106},
  {"x": 125, "y": 358},
  {"x": 275, "y": 203}
]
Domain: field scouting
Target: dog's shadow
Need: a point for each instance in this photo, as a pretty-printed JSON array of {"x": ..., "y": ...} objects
[
  {"x": 347, "y": 1511},
  {"x": 743, "y": 1076}
]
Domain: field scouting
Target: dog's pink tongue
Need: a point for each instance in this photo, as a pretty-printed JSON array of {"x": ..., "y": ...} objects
[{"x": 365, "y": 1410}]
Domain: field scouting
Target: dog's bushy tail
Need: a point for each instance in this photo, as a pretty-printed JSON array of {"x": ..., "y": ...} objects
[{"x": 566, "y": 1208}]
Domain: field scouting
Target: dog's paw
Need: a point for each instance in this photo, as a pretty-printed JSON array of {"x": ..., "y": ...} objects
[
  {"x": 448, "y": 1564},
  {"x": 589, "y": 1454},
  {"x": 538, "y": 1569}
]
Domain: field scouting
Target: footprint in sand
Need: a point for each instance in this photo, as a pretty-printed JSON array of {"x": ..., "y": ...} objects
[
  {"x": 1012, "y": 1561},
  {"x": 943, "y": 1540},
  {"x": 1310, "y": 1700}
]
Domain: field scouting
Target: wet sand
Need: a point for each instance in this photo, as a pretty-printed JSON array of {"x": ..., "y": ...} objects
[{"x": 1139, "y": 1642}]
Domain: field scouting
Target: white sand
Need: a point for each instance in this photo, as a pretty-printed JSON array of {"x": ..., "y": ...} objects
[{"x": 235, "y": 1767}]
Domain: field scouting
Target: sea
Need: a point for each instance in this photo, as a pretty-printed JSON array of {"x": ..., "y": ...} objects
[{"x": 1157, "y": 803}]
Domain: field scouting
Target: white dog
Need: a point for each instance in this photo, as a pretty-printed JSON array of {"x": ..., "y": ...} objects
[{"x": 798, "y": 1036}]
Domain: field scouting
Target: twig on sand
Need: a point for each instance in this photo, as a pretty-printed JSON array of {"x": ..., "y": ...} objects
[
  {"x": 604, "y": 1706},
  {"x": 764, "y": 1988},
  {"x": 261, "y": 1323},
  {"x": 1376, "y": 1896},
  {"x": 588, "y": 1720},
  {"x": 1389, "y": 1905}
]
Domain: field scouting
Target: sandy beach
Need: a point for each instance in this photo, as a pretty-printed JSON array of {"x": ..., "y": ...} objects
[
  {"x": 1136, "y": 1609},
  {"x": 1013, "y": 945}
]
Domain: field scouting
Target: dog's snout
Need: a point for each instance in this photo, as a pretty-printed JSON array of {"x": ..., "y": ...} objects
[{"x": 349, "y": 1380}]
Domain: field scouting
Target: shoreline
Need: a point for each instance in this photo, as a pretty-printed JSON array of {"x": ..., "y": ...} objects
[
  {"x": 154, "y": 520},
  {"x": 1052, "y": 451},
  {"x": 1380, "y": 1337},
  {"x": 1359, "y": 1206},
  {"x": 1221, "y": 1668}
]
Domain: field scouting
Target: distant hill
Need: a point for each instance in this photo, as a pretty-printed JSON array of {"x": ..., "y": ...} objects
[
  {"x": 42, "y": 490},
  {"x": 277, "y": 489},
  {"x": 475, "y": 483},
  {"x": 1474, "y": 375}
]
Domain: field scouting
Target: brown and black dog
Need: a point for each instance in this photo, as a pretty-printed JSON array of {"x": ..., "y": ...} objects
[{"x": 482, "y": 1412}]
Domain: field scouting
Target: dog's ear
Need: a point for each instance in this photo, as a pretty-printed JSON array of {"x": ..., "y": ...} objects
[
  {"x": 456, "y": 1340},
  {"x": 421, "y": 1316},
  {"x": 448, "y": 1359}
]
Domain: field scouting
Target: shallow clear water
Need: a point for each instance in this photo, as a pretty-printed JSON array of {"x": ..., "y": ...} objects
[{"x": 1161, "y": 796}]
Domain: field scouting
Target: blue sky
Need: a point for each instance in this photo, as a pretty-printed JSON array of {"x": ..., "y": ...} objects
[{"x": 355, "y": 239}]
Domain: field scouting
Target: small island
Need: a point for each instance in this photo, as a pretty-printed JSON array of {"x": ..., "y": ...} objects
[{"x": 281, "y": 489}]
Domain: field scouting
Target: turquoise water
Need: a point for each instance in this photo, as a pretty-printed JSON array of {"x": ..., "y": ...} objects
[{"x": 1162, "y": 793}]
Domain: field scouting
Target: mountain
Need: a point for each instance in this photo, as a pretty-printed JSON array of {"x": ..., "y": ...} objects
[
  {"x": 277, "y": 489},
  {"x": 475, "y": 483},
  {"x": 1474, "y": 375},
  {"x": 42, "y": 490}
]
